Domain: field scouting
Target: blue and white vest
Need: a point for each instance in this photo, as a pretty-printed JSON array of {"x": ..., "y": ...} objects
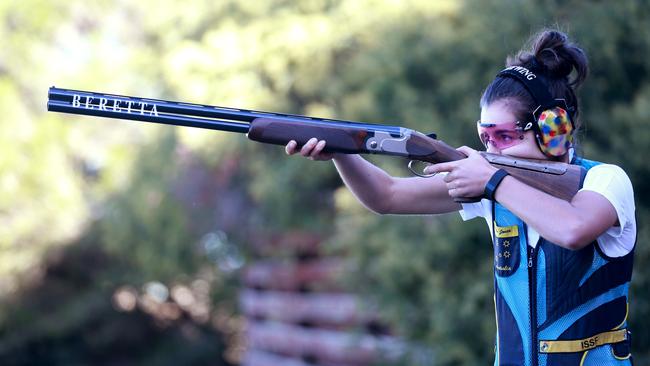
[{"x": 545, "y": 294}]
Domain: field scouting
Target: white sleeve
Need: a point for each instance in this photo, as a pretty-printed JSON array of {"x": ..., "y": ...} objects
[
  {"x": 612, "y": 183},
  {"x": 475, "y": 209},
  {"x": 482, "y": 209}
]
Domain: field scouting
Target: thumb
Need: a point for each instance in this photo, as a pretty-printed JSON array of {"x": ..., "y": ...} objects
[{"x": 467, "y": 150}]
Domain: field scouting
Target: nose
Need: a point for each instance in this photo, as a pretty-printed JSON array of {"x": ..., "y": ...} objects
[{"x": 492, "y": 149}]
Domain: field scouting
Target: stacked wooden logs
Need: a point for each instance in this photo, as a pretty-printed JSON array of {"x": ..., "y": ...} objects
[{"x": 299, "y": 314}]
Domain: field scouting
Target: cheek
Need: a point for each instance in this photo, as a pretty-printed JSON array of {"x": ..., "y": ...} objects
[{"x": 526, "y": 149}]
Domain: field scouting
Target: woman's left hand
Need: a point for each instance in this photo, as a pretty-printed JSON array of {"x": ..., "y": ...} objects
[{"x": 466, "y": 177}]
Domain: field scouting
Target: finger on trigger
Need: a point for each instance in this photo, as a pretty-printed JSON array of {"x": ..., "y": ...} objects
[{"x": 441, "y": 167}]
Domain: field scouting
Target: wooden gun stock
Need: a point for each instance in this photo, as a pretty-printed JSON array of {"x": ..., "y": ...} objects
[{"x": 340, "y": 138}]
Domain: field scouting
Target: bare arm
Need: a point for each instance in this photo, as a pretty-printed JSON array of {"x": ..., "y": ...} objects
[
  {"x": 571, "y": 225},
  {"x": 380, "y": 192},
  {"x": 385, "y": 194}
]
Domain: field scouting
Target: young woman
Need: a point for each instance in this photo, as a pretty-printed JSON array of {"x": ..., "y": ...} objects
[{"x": 562, "y": 269}]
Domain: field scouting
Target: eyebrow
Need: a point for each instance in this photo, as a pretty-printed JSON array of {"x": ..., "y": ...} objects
[
  {"x": 492, "y": 125},
  {"x": 506, "y": 130}
]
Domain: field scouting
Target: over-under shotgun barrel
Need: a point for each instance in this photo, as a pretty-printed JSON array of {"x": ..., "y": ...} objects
[{"x": 177, "y": 113}]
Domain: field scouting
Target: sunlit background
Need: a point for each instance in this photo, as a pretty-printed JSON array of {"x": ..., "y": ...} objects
[{"x": 136, "y": 244}]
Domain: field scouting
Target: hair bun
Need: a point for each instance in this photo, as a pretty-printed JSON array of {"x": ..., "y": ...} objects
[
  {"x": 555, "y": 56},
  {"x": 552, "y": 51}
]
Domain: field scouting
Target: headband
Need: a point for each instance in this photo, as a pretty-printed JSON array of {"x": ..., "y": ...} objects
[{"x": 537, "y": 88}]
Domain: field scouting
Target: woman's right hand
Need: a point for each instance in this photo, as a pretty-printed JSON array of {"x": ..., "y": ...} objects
[{"x": 312, "y": 150}]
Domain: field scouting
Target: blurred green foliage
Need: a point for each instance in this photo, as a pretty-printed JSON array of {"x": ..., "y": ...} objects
[{"x": 140, "y": 193}]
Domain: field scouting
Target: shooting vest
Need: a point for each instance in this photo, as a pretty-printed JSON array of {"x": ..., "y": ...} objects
[{"x": 555, "y": 306}]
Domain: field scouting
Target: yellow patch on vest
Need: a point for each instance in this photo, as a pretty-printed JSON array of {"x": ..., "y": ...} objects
[
  {"x": 506, "y": 231},
  {"x": 580, "y": 345}
]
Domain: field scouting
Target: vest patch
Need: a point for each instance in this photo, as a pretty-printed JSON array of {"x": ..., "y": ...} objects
[
  {"x": 506, "y": 231},
  {"x": 506, "y": 249}
]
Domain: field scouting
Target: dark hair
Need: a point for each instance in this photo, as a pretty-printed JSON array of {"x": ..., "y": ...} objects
[{"x": 557, "y": 61}]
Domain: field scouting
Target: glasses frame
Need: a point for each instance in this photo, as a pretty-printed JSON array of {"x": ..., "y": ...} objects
[{"x": 521, "y": 128}]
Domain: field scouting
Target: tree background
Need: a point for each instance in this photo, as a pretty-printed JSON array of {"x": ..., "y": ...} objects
[{"x": 98, "y": 214}]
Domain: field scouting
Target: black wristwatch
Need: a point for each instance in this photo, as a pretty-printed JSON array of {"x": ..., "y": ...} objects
[{"x": 493, "y": 183}]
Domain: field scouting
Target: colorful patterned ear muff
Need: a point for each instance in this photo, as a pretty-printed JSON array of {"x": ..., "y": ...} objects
[
  {"x": 556, "y": 131},
  {"x": 552, "y": 124}
]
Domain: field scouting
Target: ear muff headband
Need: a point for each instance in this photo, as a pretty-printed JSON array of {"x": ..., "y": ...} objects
[{"x": 553, "y": 125}]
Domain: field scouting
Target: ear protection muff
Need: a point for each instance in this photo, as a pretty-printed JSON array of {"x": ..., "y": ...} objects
[{"x": 552, "y": 123}]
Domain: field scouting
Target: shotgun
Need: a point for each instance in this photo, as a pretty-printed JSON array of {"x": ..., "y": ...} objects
[{"x": 558, "y": 179}]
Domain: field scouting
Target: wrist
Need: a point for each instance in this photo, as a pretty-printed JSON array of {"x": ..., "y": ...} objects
[
  {"x": 493, "y": 183},
  {"x": 343, "y": 158}
]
